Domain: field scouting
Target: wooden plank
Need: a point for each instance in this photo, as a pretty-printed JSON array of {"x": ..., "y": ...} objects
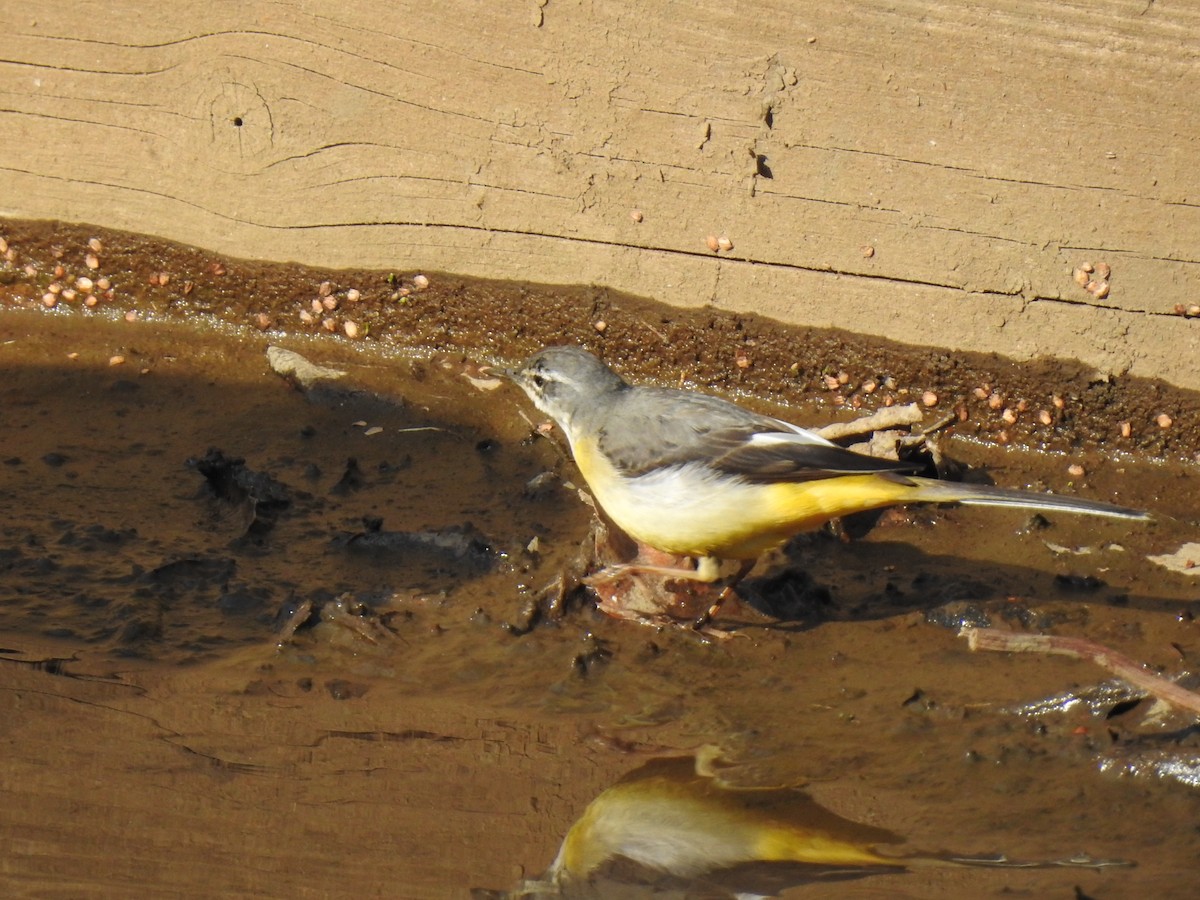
[{"x": 981, "y": 151}]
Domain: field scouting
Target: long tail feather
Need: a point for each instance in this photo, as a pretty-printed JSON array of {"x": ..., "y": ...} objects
[{"x": 933, "y": 491}]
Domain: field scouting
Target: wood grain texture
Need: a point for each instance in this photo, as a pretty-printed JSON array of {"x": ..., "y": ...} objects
[{"x": 982, "y": 150}]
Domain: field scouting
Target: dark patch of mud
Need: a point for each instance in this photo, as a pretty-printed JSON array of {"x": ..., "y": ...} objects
[{"x": 251, "y": 645}]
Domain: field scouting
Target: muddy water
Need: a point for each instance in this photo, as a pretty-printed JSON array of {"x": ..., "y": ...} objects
[{"x": 302, "y": 676}]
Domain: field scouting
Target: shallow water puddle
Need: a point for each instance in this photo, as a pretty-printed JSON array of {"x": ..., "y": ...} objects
[{"x": 412, "y": 738}]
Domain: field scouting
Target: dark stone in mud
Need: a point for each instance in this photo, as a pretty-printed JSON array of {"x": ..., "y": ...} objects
[
  {"x": 351, "y": 480},
  {"x": 462, "y": 545},
  {"x": 229, "y": 479},
  {"x": 192, "y": 573},
  {"x": 54, "y": 460}
]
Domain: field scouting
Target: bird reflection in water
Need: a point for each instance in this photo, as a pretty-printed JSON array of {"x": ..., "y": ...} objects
[{"x": 676, "y": 825}]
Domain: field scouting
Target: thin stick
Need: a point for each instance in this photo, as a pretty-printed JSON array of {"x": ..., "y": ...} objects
[
  {"x": 888, "y": 417},
  {"x": 1120, "y": 665}
]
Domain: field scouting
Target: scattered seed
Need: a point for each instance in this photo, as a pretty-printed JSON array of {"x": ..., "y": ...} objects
[
  {"x": 3, "y": 245},
  {"x": 59, "y": 271},
  {"x": 1087, "y": 267},
  {"x": 72, "y": 355},
  {"x": 11, "y": 254},
  {"x": 869, "y": 386},
  {"x": 1022, "y": 406},
  {"x": 164, "y": 278},
  {"x": 1002, "y": 436},
  {"x": 54, "y": 287},
  {"x": 117, "y": 360},
  {"x": 306, "y": 317},
  {"x": 1044, "y": 417},
  {"x": 889, "y": 400},
  {"x": 981, "y": 393},
  {"x": 84, "y": 284},
  {"x": 831, "y": 382},
  {"x": 1163, "y": 420},
  {"x": 217, "y": 268},
  {"x": 420, "y": 282},
  {"x": 867, "y": 251},
  {"x": 351, "y": 329},
  {"x": 600, "y": 325},
  {"x": 262, "y": 321},
  {"x": 1103, "y": 270},
  {"x": 316, "y": 305},
  {"x": 103, "y": 284},
  {"x": 330, "y": 303},
  {"x": 636, "y": 215},
  {"x": 90, "y": 300},
  {"x": 69, "y": 294},
  {"x": 1058, "y": 401},
  {"x": 329, "y": 324},
  {"x": 1009, "y": 415},
  {"x": 743, "y": 362},
  {"x": 1180, "y": 309},
  {"x": 92, "y": 261},
  {"x": 724, "y": 243},
  {"x": 49, "y": 300},
  {"x": 843, "y": 377},
  {"x": 373, "y": 430},
  {"x": 131, "y": 316},
  {"x": 31, "y": 271},
  {"x": 1193, "y": 310},
  {"x": 188, "y": 287},
  {"x": 325, "y": 289},
  {"x": 401, "y": 293},
  {"x": 1075, "y": 470},
  {"x": 353, "y": 295},
  {"x": 995, "y": 401},
  {"x": 1126, "y": 429},
  {"x": 711, "y": 241},
  {"x": 95, "y": 245},
  {"x": 1082, "y": 276}
]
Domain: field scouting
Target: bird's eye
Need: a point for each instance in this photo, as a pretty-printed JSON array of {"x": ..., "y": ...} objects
[{"x": 538, "y": 381}]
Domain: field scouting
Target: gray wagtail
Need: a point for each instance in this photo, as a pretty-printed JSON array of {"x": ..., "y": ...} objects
[{"x": 694, "y": 475}]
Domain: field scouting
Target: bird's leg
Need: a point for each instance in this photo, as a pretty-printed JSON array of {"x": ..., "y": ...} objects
[
  {"x": 707, "y": 569},
  {"x": 726, "y": 592}
]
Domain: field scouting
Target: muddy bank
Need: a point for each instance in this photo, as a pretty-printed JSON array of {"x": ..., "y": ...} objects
[{"x": 407, "y": 741}]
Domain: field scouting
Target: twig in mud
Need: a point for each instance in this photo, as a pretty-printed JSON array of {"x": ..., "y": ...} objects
[
  {"x": 882, "y": 420},
  {"x": 1118, "y": 663}
]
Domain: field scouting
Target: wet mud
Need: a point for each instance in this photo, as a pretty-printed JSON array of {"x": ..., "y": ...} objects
[{"x": 266, "y": 639}]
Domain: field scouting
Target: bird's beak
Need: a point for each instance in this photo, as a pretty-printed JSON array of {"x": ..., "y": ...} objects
[{"x": 500, "y": 372}]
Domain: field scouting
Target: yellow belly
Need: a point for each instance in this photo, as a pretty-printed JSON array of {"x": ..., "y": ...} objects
[{"x": 688, "y": 511}]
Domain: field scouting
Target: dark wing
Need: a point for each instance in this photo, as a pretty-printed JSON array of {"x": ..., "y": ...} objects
[
  {"x": 660, "y": 427},
  {"x": 778, "y": 456}
]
